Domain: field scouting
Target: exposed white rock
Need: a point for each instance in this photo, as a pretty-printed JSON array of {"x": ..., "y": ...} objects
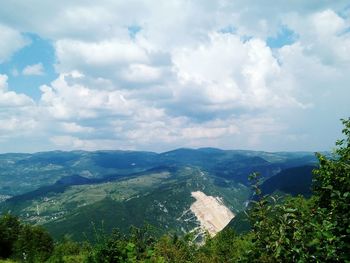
[{"x": 212, "y": 214}]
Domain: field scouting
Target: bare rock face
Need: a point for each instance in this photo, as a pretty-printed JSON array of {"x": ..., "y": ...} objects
[{"x": 212, "y": 214}]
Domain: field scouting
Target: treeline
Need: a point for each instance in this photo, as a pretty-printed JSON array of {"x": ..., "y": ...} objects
[
  {"x": 25, "y": 243},
  {"x": 292, "y": 229}
]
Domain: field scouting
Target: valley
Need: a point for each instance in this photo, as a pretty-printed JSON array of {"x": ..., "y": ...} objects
[{"x": 180, "y": 191}]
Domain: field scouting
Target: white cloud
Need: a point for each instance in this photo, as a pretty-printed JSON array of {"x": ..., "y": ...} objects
[
  {"x": 209, "y": 132},
  {"x": 76, "y": 143},
  {"x": 14, "y": 125},
  {"x": 180, "y": 80},
  {"x": 141, "y": 73},
  {"x": 227, "y": 73},
  {"x": 10, "y": 42},
  {"x": 35, "y": 69},
  {"x": 72, "y": 127},
  {"x": 76, "y": 101},
  {"x": 11, "y": 98},
  {"x": 324, "y": 35},
  {"x": 71, "y": 142},
  {"x": 3, "y": 82},
  {"x": 106, "y": 55},
  {"x": 18, "y": 115}
]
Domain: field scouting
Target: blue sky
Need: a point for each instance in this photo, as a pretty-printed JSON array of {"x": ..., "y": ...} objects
[
  {"x": 144, "y": 75},
  {"x": 36, "y": 51}
]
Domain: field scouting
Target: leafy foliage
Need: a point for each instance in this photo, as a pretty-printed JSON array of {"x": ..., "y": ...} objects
[
  {"x": 25, "y": 242},
  {"x": 34, "y": 244},
  {"x": 9, "y": 230},
  {"x": 313, "y": 230},
  {"x": 332, "y": 192}
]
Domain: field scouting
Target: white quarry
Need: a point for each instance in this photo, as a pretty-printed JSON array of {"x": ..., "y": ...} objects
[{"x": 210, "y": 211}]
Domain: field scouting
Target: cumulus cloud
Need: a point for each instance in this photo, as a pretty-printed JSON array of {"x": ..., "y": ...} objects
[
  {"x": 142, "y": 73},
  {"x": 66, "y": 101},
  {"x": 324, "y": 35},
  {"x": 10, "y": 42},
  {"x": 196, "y": 73},
  {"x": 35, "y": 69},
  {"x": 72, "y": 127},
  {"x": 230, "y": 74},
  {"x": 18, "y": 115},
  {"x": 105, "y": 55},
  {"x": 14, "y": 124},
  {"x": 12, "y": 99},
  {"x": 3, "y": 82}
]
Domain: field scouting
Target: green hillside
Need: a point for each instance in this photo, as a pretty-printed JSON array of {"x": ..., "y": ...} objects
[
  {"x": 76, "y": 192},
  {"x": 159, "y": 197},
  {"x": 294, "y": 181}
]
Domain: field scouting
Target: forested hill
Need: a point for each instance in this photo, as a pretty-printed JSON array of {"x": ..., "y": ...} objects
[
  {"x": 72, "y": 192},
  {"x": 294, "y": 181}
]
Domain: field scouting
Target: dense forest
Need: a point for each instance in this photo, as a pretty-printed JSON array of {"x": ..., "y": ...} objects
[{"x": 282, "y": 229}]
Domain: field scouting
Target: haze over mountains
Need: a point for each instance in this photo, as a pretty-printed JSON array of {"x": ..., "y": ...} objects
[{"x": 75, "y": 192}]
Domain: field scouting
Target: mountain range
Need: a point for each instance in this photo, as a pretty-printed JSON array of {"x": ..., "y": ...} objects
[{"x": 80, "y": 192}]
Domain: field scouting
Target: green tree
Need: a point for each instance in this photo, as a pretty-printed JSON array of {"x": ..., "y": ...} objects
[
  {"x": 172, "y": 248},
  {"x": 313, "y": 230},
  {"x": 69, "y": 251},
  {"x": 226, "y": 246},
  {"x": 34, "y": 244},
  {"x": 332, "y": 195},
  {"x": 9, "y": 230}
]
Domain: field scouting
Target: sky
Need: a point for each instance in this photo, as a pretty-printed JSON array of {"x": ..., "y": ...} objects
[{"x": 159, "y": 75}]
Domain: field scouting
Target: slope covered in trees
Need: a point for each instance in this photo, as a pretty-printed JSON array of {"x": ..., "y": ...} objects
[
  {"x": 292, "y": 229},
  {"x": 293, "y": 181}
]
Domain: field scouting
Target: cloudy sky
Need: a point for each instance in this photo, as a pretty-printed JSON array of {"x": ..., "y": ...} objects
[{"x": 158, "y": 75}]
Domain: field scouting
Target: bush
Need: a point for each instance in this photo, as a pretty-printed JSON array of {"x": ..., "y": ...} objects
[
  {"x": 34, "y": 244},
  {"x": 313, "y": 230},
  {"x": 9, "y": 230},
  {"x": 23, "y": 242},
  {"x": 69, "y": 251}
]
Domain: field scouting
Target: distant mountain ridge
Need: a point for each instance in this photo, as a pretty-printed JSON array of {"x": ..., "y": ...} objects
[{"x": 66, "y": 191}]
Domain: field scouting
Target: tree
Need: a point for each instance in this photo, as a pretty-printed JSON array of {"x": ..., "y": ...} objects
[
  {"x": 332, "y": 193},
  {"x": 307, "y": 230},
  {"x": 9, "y": 230},
  {"x": 34, "y": 244}
]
